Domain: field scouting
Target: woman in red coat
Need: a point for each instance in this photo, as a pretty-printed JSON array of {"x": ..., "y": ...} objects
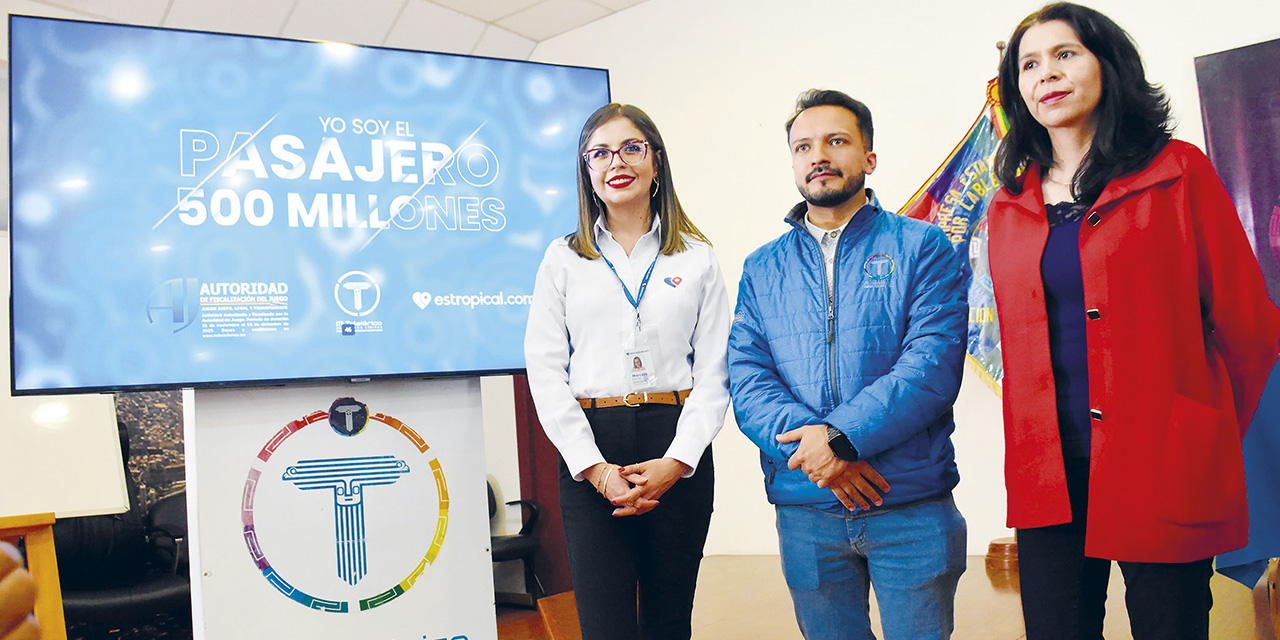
[{"x": 1137, "y": 336}]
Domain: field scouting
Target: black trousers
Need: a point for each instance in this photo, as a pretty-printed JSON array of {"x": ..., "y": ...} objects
[
  {"x": 634, "y": 576},
  {"x": 1064, "y": 593}
]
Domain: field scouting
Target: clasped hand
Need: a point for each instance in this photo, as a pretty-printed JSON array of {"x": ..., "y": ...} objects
[
  {"x": 851, "y": 482},
  {"x": 636, "y": 488}
]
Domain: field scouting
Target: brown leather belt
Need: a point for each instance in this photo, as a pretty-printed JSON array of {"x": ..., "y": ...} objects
[{"x": 636, "y": 399}]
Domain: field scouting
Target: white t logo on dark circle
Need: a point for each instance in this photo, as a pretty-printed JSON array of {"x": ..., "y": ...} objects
[{"x": 348, "y": 416}]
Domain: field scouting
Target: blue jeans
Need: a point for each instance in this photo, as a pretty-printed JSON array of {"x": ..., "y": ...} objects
[{"x": 913, "y": 555}]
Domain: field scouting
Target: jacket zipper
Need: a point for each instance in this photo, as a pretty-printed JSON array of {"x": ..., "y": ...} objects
[{"x": 830, "y": 289}]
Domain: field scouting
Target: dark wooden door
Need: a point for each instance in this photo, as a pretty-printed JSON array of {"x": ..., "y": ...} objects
[{"x": 539, "y": 481}]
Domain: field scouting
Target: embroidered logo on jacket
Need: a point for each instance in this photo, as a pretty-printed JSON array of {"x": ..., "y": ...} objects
[
  {"x": 877, "y": 270},
  {"x": 673, "y": 282}
]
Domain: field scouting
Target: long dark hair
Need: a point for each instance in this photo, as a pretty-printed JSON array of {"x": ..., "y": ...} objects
[
  {"x": 1132, "y": 117},
  {"x": 673, "y": 224}
]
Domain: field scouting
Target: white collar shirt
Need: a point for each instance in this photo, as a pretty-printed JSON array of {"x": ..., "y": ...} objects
[
  {"x": 578, "y": 321},
  {"x": 827, "y": 239}
]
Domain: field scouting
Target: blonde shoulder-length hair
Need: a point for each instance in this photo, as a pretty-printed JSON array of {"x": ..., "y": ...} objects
[{"x": 673, "y": 224}]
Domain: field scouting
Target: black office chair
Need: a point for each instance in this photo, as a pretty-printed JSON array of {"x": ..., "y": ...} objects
[
  {"x": 167, "y": 533},
  {"x": 521, "y": 546},
  {"x": 123, "y": 568},
  {"x": 119, "y": 571}
]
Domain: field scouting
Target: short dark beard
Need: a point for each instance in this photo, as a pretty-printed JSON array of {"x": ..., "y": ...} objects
[{"x": 834, "y": 199}]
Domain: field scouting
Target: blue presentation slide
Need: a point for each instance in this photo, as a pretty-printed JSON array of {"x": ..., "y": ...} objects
[{"x": 196, "y": 208}]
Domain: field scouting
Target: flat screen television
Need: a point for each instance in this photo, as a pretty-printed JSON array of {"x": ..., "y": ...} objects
[{"x": 198, "y": 209}]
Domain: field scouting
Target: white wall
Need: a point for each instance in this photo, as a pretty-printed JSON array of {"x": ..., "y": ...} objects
[
  {"x": 502, "y": 460},
  {"x": 720, "y": 78},
  {"x": 502, "y": 469}
]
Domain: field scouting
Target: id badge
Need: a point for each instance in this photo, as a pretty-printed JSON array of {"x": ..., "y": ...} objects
[{"x": 640, "y": 361}]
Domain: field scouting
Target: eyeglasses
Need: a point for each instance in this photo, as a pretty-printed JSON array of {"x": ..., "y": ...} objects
[{"x": 631, "y": 153}]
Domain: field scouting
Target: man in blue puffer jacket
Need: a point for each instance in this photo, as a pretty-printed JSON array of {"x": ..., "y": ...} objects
[{"x": 845, "y": 358}]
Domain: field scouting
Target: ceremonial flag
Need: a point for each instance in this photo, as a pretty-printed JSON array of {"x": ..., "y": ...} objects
[
  {"x": 1238, "y": 105},
  {"x": 955, "y": 198}
]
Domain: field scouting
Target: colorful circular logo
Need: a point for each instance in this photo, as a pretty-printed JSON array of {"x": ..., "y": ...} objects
[
  {"x": 329, "y": 506},
  {"x": 878, "y": 267}
]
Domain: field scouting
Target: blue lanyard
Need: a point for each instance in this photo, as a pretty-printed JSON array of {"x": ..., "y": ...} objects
[{"x": 644, "y": 284}]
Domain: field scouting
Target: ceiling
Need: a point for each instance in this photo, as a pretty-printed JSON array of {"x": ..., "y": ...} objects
[{"x": 496, "y": 28}]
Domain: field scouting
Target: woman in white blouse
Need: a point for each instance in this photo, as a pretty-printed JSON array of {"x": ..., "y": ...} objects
[{"x": 636, "y": 283}]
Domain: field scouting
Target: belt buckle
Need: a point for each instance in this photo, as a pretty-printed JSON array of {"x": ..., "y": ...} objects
[{"x": 626, "y": 400}]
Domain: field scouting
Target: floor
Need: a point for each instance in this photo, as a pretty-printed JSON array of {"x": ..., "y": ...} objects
[
  {"x": 745, "y": 597},
  {"x": 162, "y": 626},
  {"x": 520, "y": 624}
]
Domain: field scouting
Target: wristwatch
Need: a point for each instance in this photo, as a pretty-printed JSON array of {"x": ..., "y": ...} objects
[{"x": 840, "y": 445}]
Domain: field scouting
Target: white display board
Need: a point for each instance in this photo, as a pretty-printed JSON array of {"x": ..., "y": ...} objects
[
  {"x": 58, "y": 454},
  {"x": 339, "y": 511}
]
